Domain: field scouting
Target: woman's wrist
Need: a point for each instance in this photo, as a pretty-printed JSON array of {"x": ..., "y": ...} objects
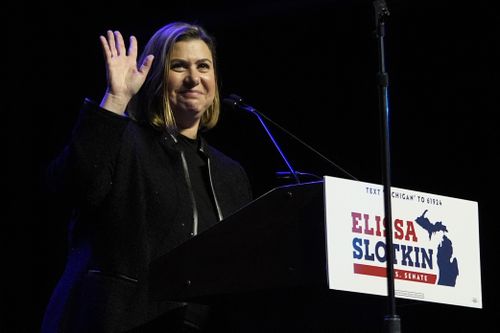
[{"x": 115, "y": 104}]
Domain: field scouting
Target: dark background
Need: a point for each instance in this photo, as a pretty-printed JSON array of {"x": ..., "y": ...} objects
[{"x": 308, "y": 65}]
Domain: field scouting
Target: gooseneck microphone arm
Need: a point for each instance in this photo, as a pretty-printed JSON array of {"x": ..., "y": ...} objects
[{"x": 236, "y": 102}]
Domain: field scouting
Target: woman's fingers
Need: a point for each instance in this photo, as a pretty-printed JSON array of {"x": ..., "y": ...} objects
[
  {"x": 105, "y": 47},
  {"x": 132, "y": 48},
  {"x": 113, "y": 45},
  {"x": 108, "y": 44},
  {"x": 119, "y": 43},
  {"x": 146, "y": 64}
]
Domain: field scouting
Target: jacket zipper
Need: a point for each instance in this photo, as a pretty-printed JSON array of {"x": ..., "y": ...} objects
[
  {"x": 191, "y": 194},
  {"x": 219, "y": 212},
  {"x": 114, "y": 275}
]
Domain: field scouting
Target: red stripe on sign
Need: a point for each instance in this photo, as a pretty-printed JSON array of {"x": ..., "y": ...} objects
[
  {"x": 398, "y": 273},
  {"x": 369, "y": 270}
]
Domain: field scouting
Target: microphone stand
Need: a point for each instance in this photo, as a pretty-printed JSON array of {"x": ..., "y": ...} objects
[
  {"x": 236, "y": 101},
  {"x": 392, "y": 322}
]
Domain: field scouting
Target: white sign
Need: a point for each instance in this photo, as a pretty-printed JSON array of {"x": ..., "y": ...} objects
[{"x": 435, "y": 238}]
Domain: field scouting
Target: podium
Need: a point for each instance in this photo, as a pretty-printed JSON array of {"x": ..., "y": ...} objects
[
  {"x": 276, "y": 241},
  {"x": 262, "y": 269},
  {"x": 308, "y": 258}
]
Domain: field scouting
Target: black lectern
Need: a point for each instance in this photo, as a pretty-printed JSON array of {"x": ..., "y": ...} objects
[
  {"x": 276, "y": 241},
  {"x": 264, "y": 269}
]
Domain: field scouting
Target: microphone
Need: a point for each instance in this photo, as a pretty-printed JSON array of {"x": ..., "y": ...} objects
[{"x": 236, "y": 102}]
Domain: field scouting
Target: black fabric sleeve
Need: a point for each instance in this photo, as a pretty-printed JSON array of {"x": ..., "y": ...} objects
[{"x": 83, "y": 171}]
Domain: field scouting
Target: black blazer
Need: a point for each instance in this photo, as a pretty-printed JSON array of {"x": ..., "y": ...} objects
[{"x": 132, "y": 204}]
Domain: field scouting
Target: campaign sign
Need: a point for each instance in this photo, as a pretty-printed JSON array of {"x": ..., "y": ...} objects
[{"x": 435, "y": 243}]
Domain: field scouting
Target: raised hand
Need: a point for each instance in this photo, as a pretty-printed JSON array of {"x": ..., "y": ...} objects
[{"x": 124, "y": 77}]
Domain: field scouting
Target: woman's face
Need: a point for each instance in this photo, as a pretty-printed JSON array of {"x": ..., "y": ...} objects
[{"x": 191, "y": 81}]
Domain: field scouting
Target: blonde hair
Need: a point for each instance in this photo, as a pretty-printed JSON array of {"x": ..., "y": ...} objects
[{"x": 151, "y": 103}]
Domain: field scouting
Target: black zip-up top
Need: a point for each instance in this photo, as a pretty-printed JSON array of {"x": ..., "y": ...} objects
[
  {"x": 133, "y": 201},
  {"x": 196, "y": 163}
]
